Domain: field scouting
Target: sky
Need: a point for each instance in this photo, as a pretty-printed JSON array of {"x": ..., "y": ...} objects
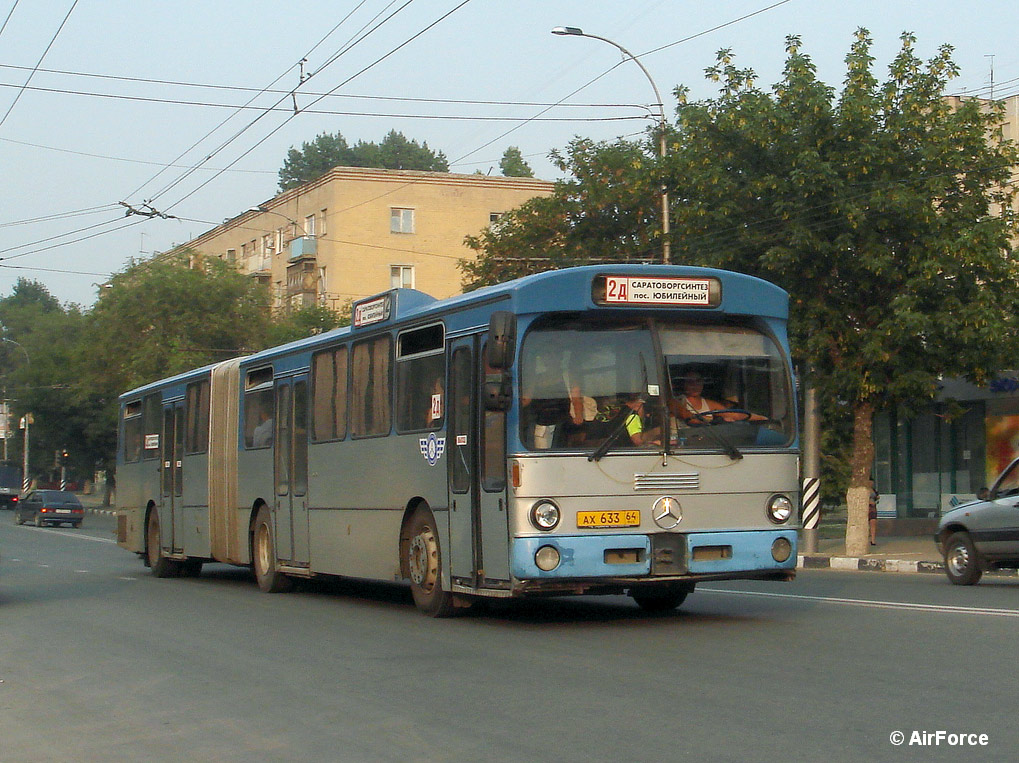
[{"x": 185, "y": 110}]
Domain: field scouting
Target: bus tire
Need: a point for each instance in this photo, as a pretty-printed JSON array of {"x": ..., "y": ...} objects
[
  {"x": 423, "y": 561},
  {"x": 263, "y": 556},
  {"x": 664, "y": 598},
  {"x": 191, "y": 568},
  {"x": 161, "y": 566}
]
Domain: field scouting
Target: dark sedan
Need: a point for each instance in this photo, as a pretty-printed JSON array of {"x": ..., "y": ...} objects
[{"x": 49, "y": 507}]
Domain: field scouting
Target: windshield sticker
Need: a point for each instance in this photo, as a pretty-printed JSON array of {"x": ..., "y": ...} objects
[{"x": 432, "y": 448}]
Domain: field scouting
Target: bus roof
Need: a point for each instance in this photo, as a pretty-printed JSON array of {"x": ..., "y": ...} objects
[{"x": 564, "y": 290}]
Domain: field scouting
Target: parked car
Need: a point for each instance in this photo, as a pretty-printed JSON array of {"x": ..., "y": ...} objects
[
  {"x": 983, "y": 534},
  {"x": 49, "y": 507}
]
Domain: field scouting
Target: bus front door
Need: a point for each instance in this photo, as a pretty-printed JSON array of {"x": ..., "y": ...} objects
[
  {"x": 475, "y": 440},
  {"x": 291, "y": 470},
  {"x": 171, "y": 514}
]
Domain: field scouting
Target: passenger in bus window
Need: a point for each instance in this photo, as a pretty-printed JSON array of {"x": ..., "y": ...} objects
[
  {"x": 262, "y": 436},
  {"x": 635, "y": 423}
]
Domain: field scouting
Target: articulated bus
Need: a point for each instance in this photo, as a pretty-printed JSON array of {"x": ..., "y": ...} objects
[{"x": 594, "y": 430}]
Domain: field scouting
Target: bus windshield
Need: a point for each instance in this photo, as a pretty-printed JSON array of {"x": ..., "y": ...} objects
[{"x": 652, "y": 384}]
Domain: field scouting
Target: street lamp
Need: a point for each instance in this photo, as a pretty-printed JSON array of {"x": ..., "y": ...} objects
[{"x": 572, "y": 31}]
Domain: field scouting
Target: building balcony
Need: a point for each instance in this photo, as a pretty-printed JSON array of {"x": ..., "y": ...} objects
[{"x": 303, "y": 246}]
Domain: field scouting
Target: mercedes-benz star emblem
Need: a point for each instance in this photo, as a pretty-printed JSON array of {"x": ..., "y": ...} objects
[{"x": 667, "y": 512}]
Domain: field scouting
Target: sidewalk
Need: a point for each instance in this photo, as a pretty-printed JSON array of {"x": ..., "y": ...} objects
[{"x": 892, "y": 554}]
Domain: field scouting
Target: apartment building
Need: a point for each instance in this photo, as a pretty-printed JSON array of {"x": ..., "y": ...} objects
[{"x": 358, "y": 231}]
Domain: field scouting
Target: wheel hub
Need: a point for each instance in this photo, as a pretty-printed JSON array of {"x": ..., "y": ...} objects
[
  {"x": 958, "y": 559},
  {"x": 422, "y": 559}
]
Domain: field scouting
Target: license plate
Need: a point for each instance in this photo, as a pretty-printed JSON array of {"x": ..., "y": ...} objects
[
  {"x": 63, "y": 511},
  {"x": 608, "y": 518}
]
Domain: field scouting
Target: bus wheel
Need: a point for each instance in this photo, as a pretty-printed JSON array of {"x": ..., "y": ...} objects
[
  {"x": 423, "y": 559},
  {"x": 161, "y": 566},
  {"x": 663, "y": 598},
  {"x": 263, "y": 556}
]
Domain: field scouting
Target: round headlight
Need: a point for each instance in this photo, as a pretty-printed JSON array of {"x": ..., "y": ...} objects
[
  {"x": 547, "y": 558},
  {"x": 545, "y": 515},
  {"x": 781, "y": 549},
  {"x": 779, "y": 509}
]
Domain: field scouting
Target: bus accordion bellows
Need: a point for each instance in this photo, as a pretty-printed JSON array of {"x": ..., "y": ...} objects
[{"x": 593, "y": 430}]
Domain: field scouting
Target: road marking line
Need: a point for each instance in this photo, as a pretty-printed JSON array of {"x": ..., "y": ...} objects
[
  {"x": 943, "y": 608},
  {"x": 68, "y": 534}
]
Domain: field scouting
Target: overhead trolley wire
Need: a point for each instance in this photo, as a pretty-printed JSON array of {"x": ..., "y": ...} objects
[
  {"x": 337, "y": 87},
  {"x": 38, "y": 63}
]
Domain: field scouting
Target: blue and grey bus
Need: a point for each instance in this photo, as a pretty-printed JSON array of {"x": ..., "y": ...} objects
[{"x": 616, "y": 429}]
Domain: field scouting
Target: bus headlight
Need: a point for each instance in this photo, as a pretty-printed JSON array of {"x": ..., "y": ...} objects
[
  {"x": 547, "y": 558},
  {"x": 779, "y": 509},
  {"x": 545, "y": 515}
]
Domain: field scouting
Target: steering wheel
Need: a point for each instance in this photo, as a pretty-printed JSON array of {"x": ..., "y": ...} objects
[{"x": 711, "y": 417}]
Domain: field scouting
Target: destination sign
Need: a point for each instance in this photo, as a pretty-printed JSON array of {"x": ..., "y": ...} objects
[
  {"x": 660, "y": 291},
  {"x": 371, "y": 311}
]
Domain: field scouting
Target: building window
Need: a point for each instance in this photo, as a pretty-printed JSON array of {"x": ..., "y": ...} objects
[
  {"x": 401, "y": 276},
  {"x": 309, "y": 225},
  {"x": 401, "y": 220},
  {"x": 231, "y": 255},
  {"x": 322, "y": 230}
]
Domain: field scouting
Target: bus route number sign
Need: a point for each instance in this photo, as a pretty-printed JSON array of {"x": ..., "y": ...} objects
[{"x": 664, "y": 291}]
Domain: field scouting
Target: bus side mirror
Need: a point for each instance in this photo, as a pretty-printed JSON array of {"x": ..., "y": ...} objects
[
  {"x": 502, "y": 339},
  {"x": 498, "y": 391}
]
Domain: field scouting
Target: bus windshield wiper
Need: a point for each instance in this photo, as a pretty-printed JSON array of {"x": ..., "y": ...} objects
[{"x": 602, "y": 449}]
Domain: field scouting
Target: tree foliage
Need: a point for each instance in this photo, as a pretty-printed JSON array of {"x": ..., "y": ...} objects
[
  {"x": 884, "y": 212},
  {"x": 513, "y": 164},
  {"x": 607, "y": 211},
  {"x": 394, "y": 152}
]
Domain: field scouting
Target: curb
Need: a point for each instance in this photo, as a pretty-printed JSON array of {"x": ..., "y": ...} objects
[{"x": 853, "y": 563}]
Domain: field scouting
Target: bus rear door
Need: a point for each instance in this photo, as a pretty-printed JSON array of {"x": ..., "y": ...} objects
[
  {"x": 171, "y": 513},
  {"x": 291, "y": 470}
]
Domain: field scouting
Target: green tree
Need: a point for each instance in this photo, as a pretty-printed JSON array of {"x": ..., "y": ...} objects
[
  {"x": 304, "y": 322},
  {"x": 513, "y": 165},
  {"x": 884, "y": 212},
  {"x": 605, "y": 212},
  {"x": 169, "y": 316},
  {"x": 326, "y": 151},
  {"x": 40, "y": 375},
  {"x": 314, "y": 159}
]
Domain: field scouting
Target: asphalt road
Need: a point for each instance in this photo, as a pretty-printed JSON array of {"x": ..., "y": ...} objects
[{"x": 99, "y": 661}]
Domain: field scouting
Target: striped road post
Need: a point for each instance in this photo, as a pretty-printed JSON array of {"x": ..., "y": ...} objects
[{"x": 811, "y": 500}]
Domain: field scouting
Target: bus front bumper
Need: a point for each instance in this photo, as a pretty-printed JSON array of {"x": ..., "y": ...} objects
[{"x": 705, "y": 555}]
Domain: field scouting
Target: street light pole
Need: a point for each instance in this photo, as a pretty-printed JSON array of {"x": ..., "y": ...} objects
[{"x": 572, "y": 31}]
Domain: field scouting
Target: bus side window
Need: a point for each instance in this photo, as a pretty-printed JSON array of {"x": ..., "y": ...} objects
[
  {"x": 197, "y": 418},
  {"x": 132, "y": 432},
  {"x": 258, "y": 418},
  {"x": 329, "y": 395},
  {"x": 370, "y": 405}
]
